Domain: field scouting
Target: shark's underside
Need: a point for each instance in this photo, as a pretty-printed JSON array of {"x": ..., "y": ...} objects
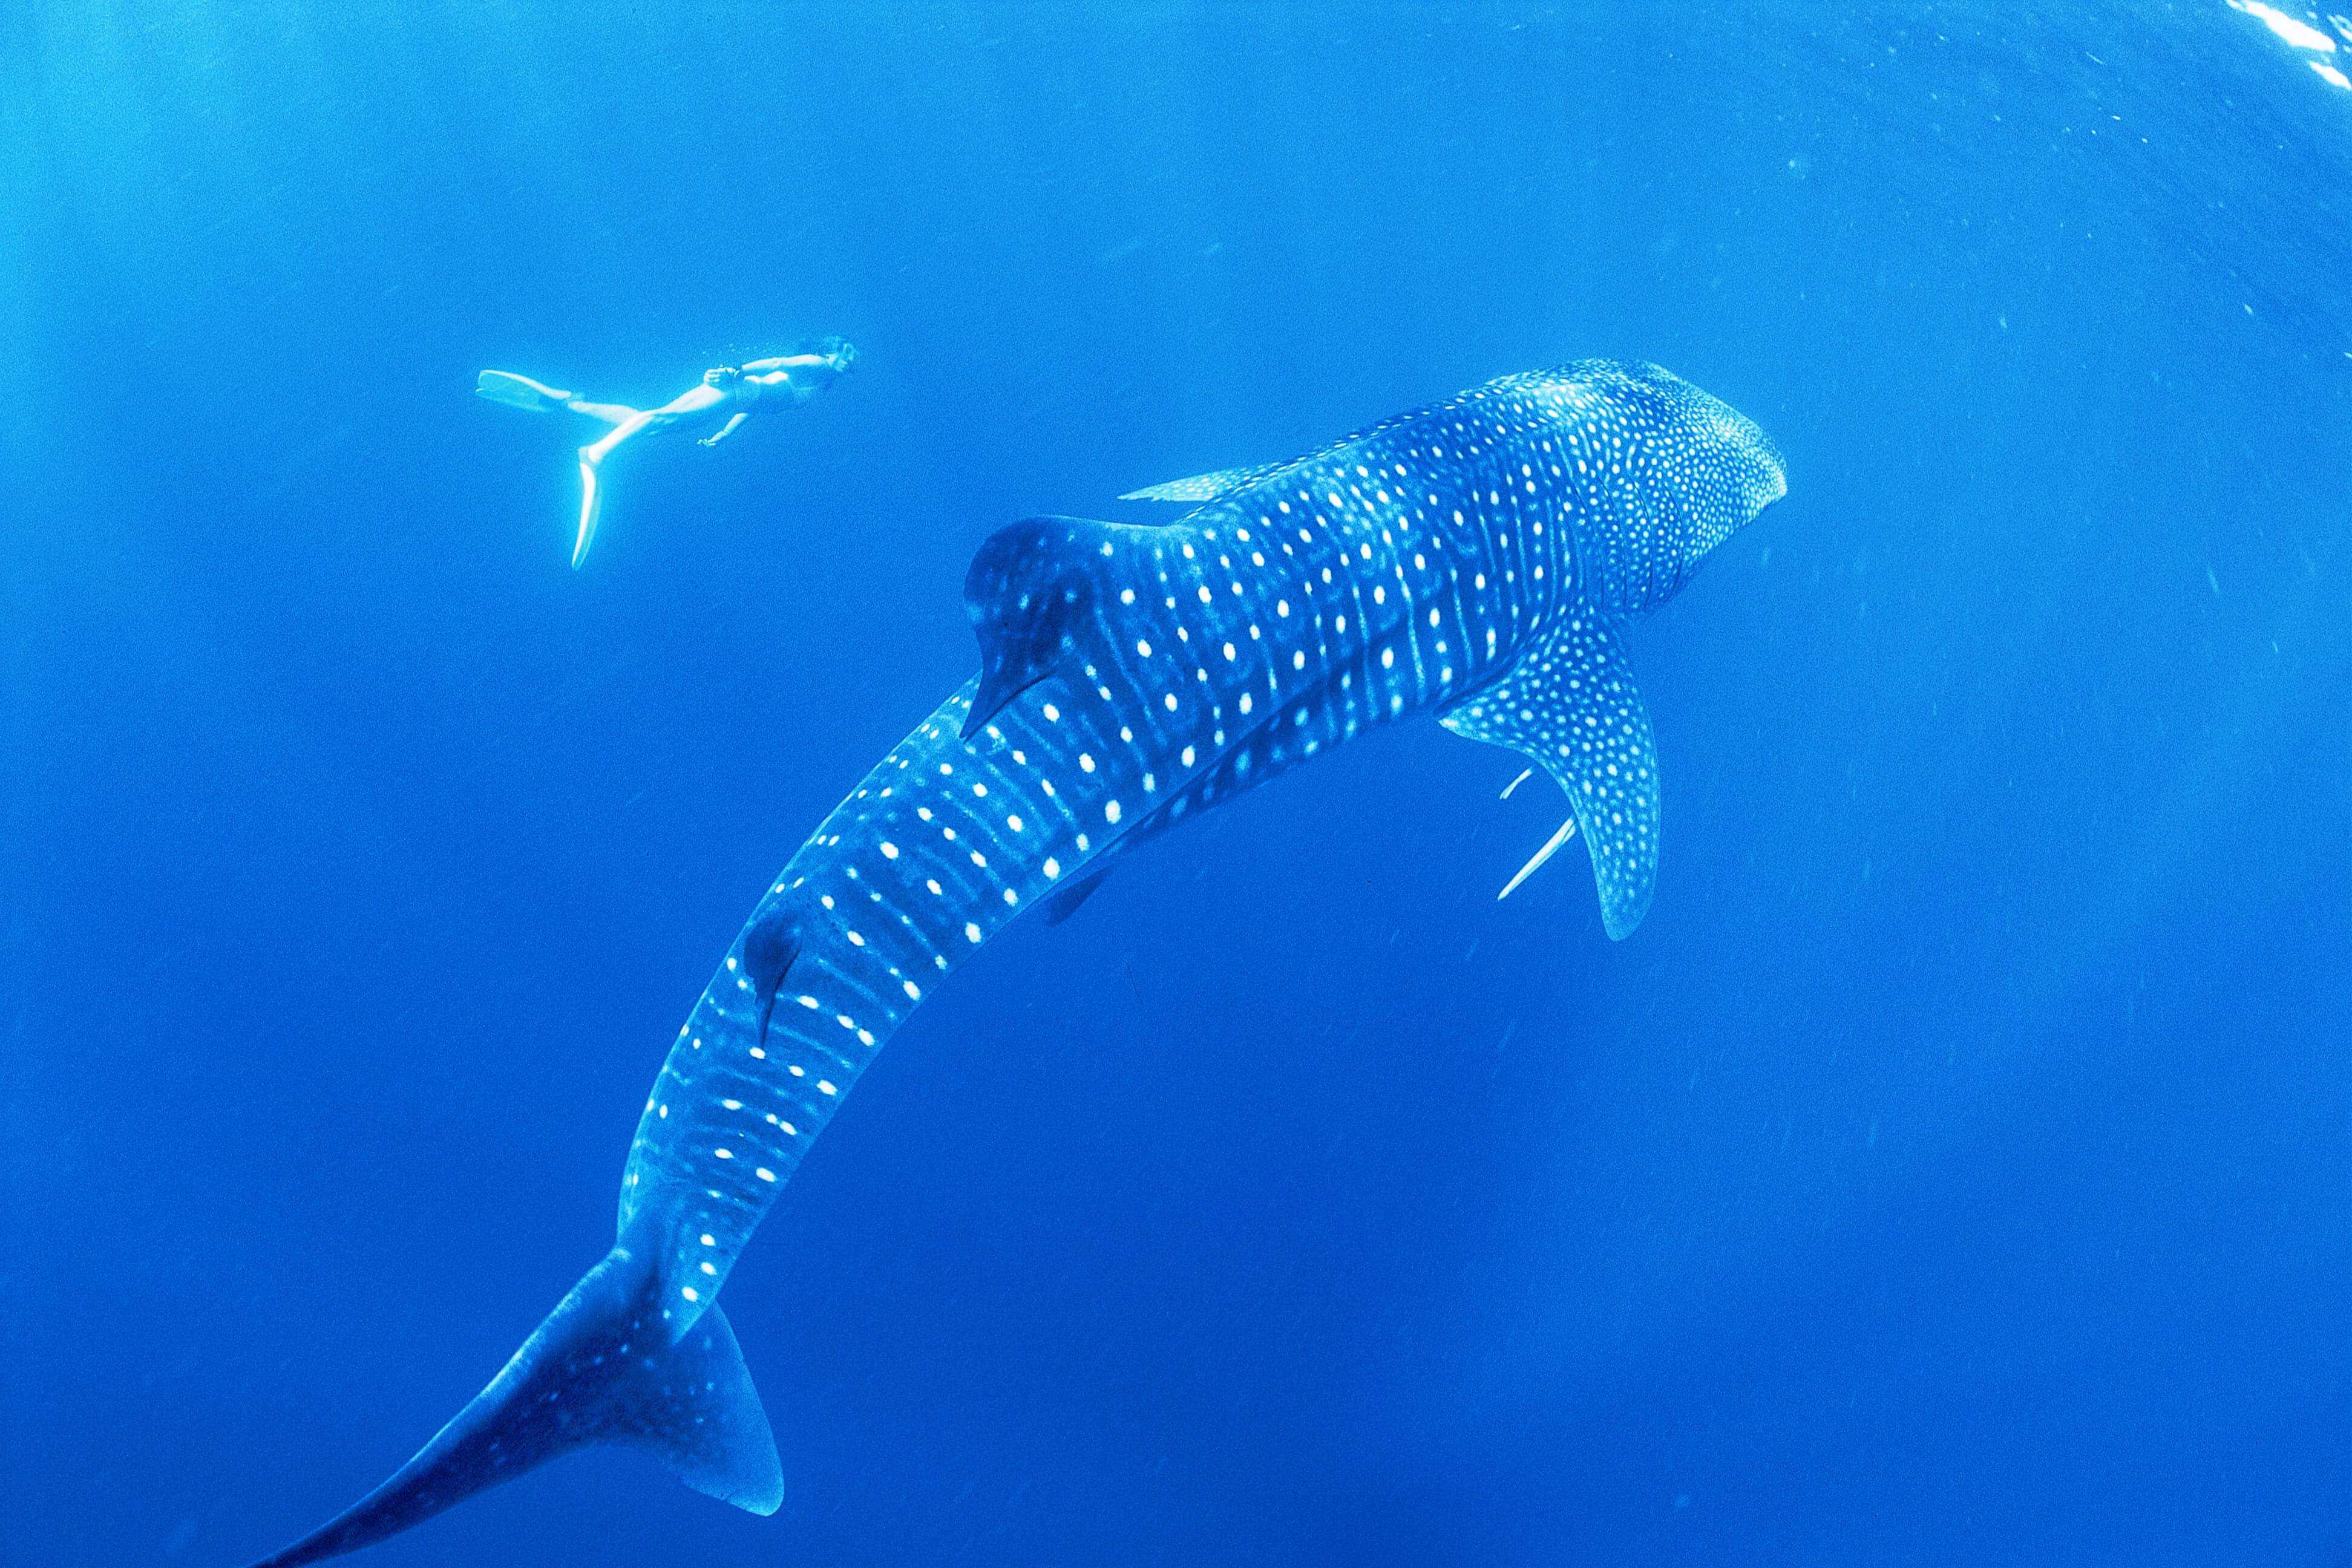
[{"x": 1473, "y": 558}]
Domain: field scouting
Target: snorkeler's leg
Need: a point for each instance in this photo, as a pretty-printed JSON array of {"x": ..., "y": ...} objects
[
  {"x": 610, "y": 413},
  {"x": 631, "y": 422},
  {"x": 592, "y": 481}
]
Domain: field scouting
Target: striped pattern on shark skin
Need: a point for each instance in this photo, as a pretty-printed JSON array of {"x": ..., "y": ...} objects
[{"x": 1466, "y": 559}]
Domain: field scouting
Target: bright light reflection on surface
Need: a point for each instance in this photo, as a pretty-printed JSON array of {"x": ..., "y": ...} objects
[
  {"x": 2332, "y": 74},
  {"x": 2302, "y": 35}
]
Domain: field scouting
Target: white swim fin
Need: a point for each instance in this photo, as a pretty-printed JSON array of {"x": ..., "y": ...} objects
[
  {"x": 592, "y": 505},
  {"x": 519, "y": 392}
]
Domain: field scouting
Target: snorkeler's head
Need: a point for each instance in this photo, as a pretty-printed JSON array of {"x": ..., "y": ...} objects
[{"x": 840, "y": 350}]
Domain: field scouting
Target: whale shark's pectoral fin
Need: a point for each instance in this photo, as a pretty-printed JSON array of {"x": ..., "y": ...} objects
[
  {"x": 1570, "y": 706},
  {"x": 1204, "y": 487},
  {"x": 603, "y": 1368}
]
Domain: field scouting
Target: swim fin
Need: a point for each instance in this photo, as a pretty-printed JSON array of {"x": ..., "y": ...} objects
[
  {"x": 592, "y": 506},
  {"x": 519, "y": 392}
]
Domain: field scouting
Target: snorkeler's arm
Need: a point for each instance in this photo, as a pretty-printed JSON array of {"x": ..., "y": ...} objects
[
  {"x": 785, "y": 363},
  {"x": 725, "y": 430}
]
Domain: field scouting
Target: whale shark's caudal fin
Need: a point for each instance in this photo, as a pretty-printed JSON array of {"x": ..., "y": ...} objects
[{"x": 603, "y": 1368}]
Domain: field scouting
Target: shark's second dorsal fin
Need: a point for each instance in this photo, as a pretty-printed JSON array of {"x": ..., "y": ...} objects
[
  {"x": 1205, "y": 487},
  {"x": 769, "y": 948},
  {"x": 1570, "y": 706}
]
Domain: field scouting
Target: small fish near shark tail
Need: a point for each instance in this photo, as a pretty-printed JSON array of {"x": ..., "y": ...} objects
[{"x": 603, "y": 1368}]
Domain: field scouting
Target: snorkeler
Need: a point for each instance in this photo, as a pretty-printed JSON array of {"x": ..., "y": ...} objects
[{"x": 726, "y": 398}]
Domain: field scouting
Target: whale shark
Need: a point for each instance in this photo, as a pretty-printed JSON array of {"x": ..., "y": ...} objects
[{"x": 1475, "y": 560}]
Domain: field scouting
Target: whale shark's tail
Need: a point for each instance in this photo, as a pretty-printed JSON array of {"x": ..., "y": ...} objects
[{"x": 603, "y": 1368}]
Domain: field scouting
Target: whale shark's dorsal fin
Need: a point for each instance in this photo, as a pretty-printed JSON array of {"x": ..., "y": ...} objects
[
  {"x": 1031, "y": 592},
  {"x": 1206, "y": 487},
  {"x": 1028, "y": 588},
  {"x": 1570, "y": 706}
]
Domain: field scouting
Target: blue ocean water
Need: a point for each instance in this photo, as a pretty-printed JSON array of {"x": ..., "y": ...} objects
[{"x": 1955, "y": 1167}]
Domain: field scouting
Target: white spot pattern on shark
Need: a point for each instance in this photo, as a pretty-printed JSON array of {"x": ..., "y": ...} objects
[{"x": 1471, "y": 560}]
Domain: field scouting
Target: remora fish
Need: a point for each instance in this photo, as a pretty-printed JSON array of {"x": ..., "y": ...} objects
[{"x": 1473, "y": 558}]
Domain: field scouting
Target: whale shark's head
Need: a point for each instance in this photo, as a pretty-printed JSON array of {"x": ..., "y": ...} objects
[
  {"x": 1680, "y": 472},
  {"x": 1729, "y": 471}
]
